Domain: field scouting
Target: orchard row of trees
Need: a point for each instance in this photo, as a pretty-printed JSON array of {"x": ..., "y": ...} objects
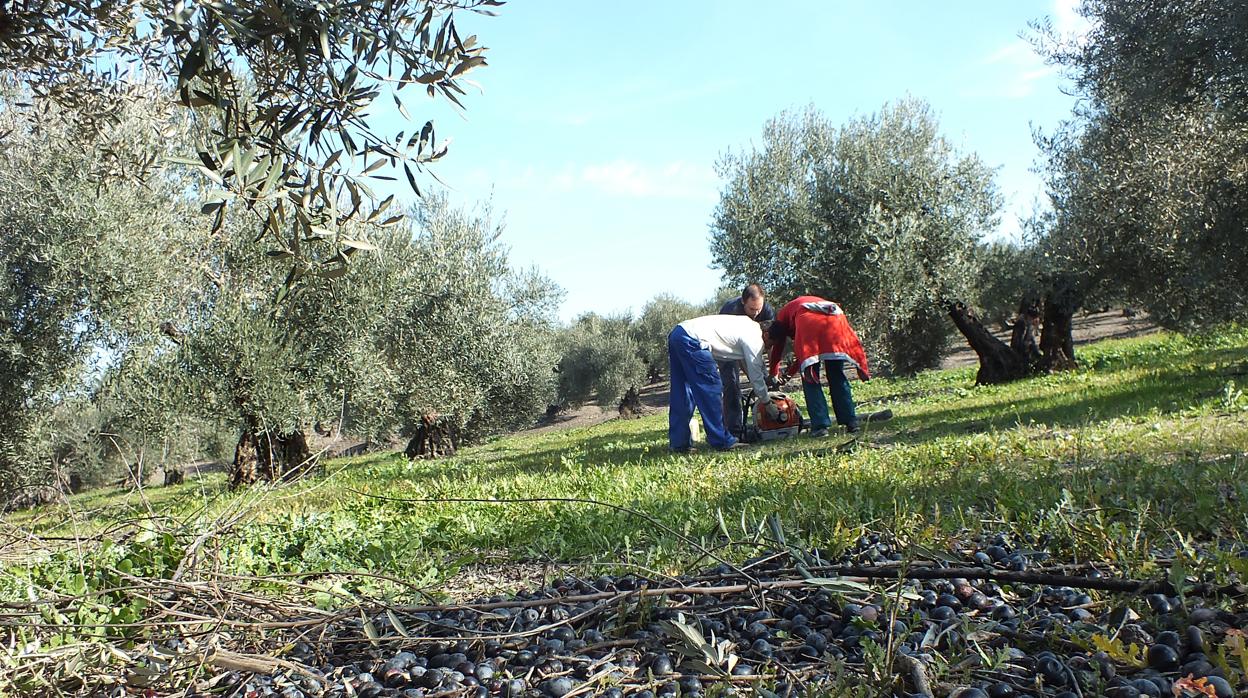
[
  {"x": 135, "y": 333},
  {"x": 1147, "y": 185}
]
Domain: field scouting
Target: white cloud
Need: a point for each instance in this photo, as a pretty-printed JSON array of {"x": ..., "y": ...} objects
[
  {"x": 675, "y": 180},
  {"x": 1014, "y": 69},
  {"x": 1067, "y": 20}
]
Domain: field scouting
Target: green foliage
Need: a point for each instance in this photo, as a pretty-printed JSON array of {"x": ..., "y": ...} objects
[
  {"x": 281, "y": 94},
  {"x": 461, "y": 333},
  {"x": 435, "y": 323},
  {"x": 1148, "y": 180},
  {"x": 1009, "y": 274},
  {"x": 86, "y": 274},
  {"x": 100, "y": 582},
  {"x": 600, "y": 360},
  {"x": 650, "y": 330},
  {"x": 881, "y": 214}
]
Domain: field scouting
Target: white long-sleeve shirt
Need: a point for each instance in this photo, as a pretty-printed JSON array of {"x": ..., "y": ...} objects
[{"x": 733, "y": 338}]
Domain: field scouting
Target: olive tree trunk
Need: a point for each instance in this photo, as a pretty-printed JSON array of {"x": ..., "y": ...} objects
[
  {"x": 1000, "y": 362},
  {"x": 630, "y": 405},
  {"x": 433, "y": 437},
  {"x": 263, "y": 455}
]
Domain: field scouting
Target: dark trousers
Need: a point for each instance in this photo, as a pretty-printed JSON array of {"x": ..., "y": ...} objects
[
  {"x": 838, "y": 388},
  {"x": 695, "y": 383},
  {"x": 730, "y": 374}
]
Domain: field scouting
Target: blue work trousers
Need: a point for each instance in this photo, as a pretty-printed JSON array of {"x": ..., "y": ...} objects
[
  {"x": 838, "y": 388},
  {"x": 695, "y": 382}
]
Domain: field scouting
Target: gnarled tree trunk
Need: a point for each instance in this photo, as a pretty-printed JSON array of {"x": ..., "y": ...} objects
[
  {"x": 434, "y": 436},
  {"x": 630, "y": 405},
  {"x": 268, "y": 456},
  {"x": 998, "y": 362},
  {"x": 1023, "y": 334},
  {"x": 1057, "y": 343}
]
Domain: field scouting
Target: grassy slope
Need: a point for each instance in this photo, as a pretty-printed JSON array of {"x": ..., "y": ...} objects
[{"x": 1143, "y": 447}]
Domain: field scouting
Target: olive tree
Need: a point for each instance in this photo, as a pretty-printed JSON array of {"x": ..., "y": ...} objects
[
  {"x": 1146, "y": 180},
  {"x": 649, "y": 331},
  {"x": 599, "y": 360},
  {"x": 881, "y": 214},
  {"x": 87, "y": 274},
  {"x": 434, "y": 325},
  {"x": 283, "y": 93},
  {"x": 1149, "y": 179},
  {"x": 464, "y": 335}
]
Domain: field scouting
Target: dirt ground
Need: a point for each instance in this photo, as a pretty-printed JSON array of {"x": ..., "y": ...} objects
[
  {"x": 1094, "y": 327},
  {"x": 1113, "y": 324}
]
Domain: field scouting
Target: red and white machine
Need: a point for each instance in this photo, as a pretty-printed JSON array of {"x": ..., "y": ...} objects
[{"x": 763, "y": 428}]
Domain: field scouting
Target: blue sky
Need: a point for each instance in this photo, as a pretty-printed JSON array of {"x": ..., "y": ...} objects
[{"x": 598, "y": 124}]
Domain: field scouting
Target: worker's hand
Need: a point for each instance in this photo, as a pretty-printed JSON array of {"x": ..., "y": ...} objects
[{"x": 771, "y": 410}]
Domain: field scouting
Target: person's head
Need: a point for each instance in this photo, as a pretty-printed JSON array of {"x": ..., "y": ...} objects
[{"x": 752, "y": 300}]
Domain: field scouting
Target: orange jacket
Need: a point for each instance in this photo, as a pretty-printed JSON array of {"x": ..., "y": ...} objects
[{"x": 820, "y": 332}]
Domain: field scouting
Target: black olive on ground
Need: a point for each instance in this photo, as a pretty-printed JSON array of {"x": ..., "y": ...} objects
[
  {"x": 369, "y": 689},
  {"x": 1158, "y": 602},
  {"x": 1195, "y": 639},
  {"x": 689, "y": 684},
  {"x": 1052, "y": 671},
  {"x": 1163, "y": 657},
  {"x": 1168, "y": 637},
  {"x": 1203, "y": 615},
  {"x": 1001, "y": 690},
  {"x": 1122, "y": 691},
  {"x": 968, "y": 692},
  {"x": 662, "y": 665},
  {"x": 950, "y": 601},
  {"x": 1003, "y": 612},
  {"x": 557, "y": 688},
  {"x": 1221, "y": 686},
  {"x": 1197, "y": 668}
]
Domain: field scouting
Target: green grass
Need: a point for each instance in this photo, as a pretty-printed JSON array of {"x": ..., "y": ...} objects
[{"x": 1140, "y": 451}]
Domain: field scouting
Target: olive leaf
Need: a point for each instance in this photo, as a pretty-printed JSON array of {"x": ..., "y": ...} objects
[{"x": 707, "y": 657}]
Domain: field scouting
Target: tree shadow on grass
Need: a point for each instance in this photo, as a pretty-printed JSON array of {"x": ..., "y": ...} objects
[{"x": 1167, "y": 388}]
